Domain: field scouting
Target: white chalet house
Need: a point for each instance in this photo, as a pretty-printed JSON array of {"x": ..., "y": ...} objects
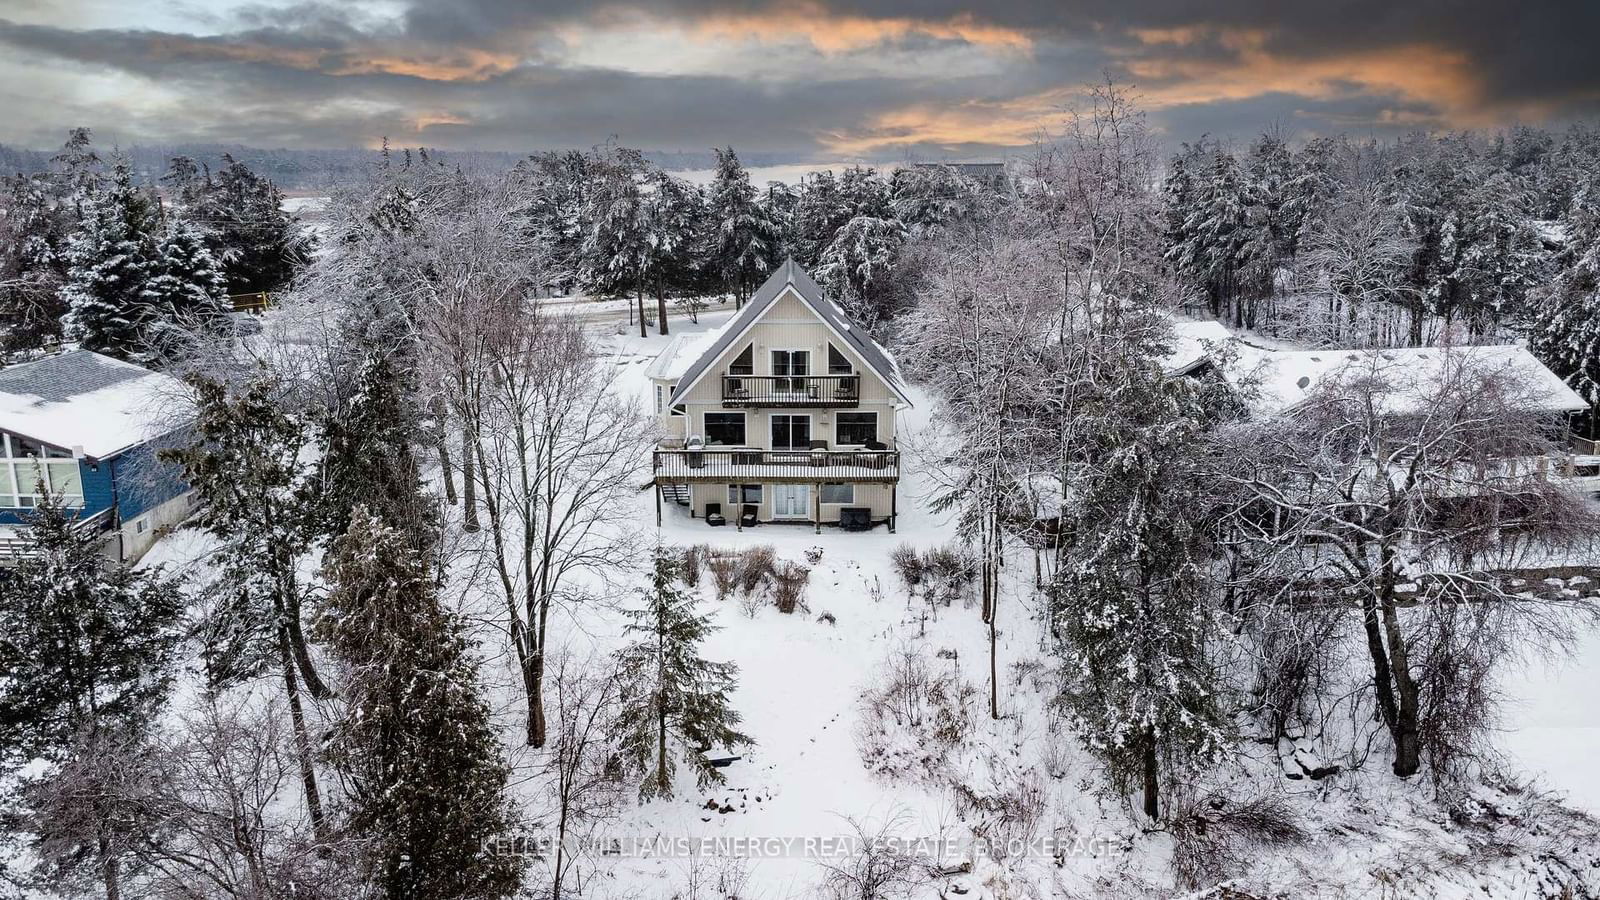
[{"x": 784, "y": 414}]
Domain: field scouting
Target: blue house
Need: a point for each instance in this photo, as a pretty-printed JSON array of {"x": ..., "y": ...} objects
[{"x": 87, "y": 428}]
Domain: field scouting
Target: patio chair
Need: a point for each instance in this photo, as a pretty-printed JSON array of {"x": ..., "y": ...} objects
[
  {"x": 747, "y": 518},
  {"x": 714, "y": 515}
]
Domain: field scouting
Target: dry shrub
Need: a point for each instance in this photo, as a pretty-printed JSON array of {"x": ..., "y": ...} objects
[
  {"x": 913, "y": 717},
  {"x": 724, "y": 575},
  {"x": 1217, "y": 837},
  {"x": 950, "y": 572},
  {"x": 1008, "y": 815},
  {"x": 908, "y": 565},
  {"x": 694, "y": 558},
  {"x": 789, "y": 582},
  {"x": 756, "y": 566}
]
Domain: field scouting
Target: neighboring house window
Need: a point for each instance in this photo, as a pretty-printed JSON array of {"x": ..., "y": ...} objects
[
  {"x": 839, "y": 493},
  {"x": 141, "y": 526},
  {"x": 855, "y": 429},
  {"x": 24, "y": 464},
  {"x": 838, "y": 363},
  {"x": 661, "y": 400},
  {"x": 744, "y": 363},
  {"x": 739, "y": 494},
  {"x": 726, "y": 429},
  {"x": 677, "y": 411}
]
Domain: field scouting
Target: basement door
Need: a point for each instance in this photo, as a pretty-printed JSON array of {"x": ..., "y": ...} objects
[{"x": 791, "y": 501}]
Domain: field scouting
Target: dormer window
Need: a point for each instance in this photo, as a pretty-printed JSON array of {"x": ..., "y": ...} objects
[{"x": 744, "y": 363}]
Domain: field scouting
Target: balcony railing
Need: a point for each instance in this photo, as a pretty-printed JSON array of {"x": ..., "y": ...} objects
[
  {"x": 813, "y": 391},
  {"x": 776, "y": 465}
]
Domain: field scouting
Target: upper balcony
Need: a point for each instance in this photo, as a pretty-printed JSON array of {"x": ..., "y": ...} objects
[{"x": 791, "y": 391}]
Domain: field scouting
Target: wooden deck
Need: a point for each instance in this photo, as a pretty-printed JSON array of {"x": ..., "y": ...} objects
[{"x": 775, "y": 466}]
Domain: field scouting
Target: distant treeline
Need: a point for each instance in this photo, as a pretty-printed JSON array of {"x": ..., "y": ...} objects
[{"x": 298, "y": 170}]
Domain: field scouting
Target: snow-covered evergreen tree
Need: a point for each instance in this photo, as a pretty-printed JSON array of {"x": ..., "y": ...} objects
[
  {"x": 1131, "y": 605},
  {"x": 672, "y": 696},
  {"x": 87, "y": 649},
  {"x": 416, "y": 743},
  {"x": 187, "y": 294},
  {"x": 1565, "y": 331},
  {"x": 260, "y": 246},
  {"x": 746, "y": 238},
  {"x": 858, "y": 261},
  {"x": 111, "y": 263}
]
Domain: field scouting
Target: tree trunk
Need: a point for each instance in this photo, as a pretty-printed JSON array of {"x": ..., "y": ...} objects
[
  {"x": 302, "y": 739},
  {"x": 302, "y": 656},
  {"x": 661, "y": 313},
  {"x": 1152, "y": 806},
  {"x": 1407, "y": 744},
  {"x": 1384, "y": 682},
  {"x": 110, "y": 870},
  {"x": 469, "y": 493},
  {"x": 436, "y": 408},
  {"x": 640, "y": 292}
]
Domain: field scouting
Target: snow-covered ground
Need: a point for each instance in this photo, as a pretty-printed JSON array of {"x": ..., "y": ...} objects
[{"x": 800, "y": 682}]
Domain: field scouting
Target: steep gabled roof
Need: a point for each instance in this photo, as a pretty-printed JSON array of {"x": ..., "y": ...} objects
[{"x": 786, "y": 276}]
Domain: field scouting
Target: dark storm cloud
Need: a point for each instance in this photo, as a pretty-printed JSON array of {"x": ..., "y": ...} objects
[{"x": 975, "y": 78}]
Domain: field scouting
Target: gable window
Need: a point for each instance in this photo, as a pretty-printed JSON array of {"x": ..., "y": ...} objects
[
  {"x": 725, "y": 429},
  {"x": 739, "y": 494},
  {"x": 838, "y": 363},
  {"x": 744, "y": 363},
  {"x": 855, "y": 429},
  {"x": 842, "y": 492}
]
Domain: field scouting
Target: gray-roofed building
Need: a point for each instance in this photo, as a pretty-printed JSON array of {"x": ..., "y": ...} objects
[
  {"x": 785, "y": 413},
  {"x": 85, "y": 429}
]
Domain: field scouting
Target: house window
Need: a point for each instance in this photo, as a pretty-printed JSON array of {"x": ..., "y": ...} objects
[
  {"x": 141, "y": 526},
  {"x": 791, "y": 432},
  {"x": 838, "y": 363},
  {"x": 27, "y": 465},
  {"x": 790, "y": 363},
  {"x": 855, "y": 429},
  {"x": 744, "y": 363},
  {"x": 843, "y": 492},
  {"x": 661, "y": 399},
  {"x": 741, "y": 494},
  {"x": 725, "y": 429}
]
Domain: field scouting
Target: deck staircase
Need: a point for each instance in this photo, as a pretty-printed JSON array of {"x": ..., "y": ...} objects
[{"x": 677, "y": 492}]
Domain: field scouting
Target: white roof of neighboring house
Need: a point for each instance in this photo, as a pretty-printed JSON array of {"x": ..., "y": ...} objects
[
  {"x": 87, "y": 403},
  {"x": 1286, "y": 378},
  {"x": 683, "y": 351},
  {"x": 1193, "y": 343}
]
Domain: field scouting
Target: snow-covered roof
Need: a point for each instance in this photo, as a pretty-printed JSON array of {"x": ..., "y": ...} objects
[
  {"x": 86, "y": 402},
  {"x": 1286, "y": 378},
  {"x": 1193, "y": 344},
  {"x": 683, "y": 351},
  {"x": 787, "y": 276}
]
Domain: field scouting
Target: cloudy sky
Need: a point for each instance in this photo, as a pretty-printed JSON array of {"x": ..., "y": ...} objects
[{"x": 816, "y": 79}]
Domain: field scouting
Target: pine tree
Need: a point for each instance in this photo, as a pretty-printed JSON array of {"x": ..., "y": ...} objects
[
  {"x": 416, "y": 743},
  {"x": 369, "y": 457},
  {"x": 746, "y": 244},
  {"x": 87, "y": 649},
  {"x": 670, "y": 694},
  {"x": 858, "y": 261},
  {"x": 259, "y": 245},
  {"x": 1565, "y": 332},
  {"x": 186, "y": 295},
  {"x": 245, "y": 464},
  {"x": 1130, "y": 604},
  {"x": 111, "y": 263}
]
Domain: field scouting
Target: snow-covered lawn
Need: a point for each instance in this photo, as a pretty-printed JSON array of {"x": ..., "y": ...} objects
[{"x": 800, "y": 683}]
